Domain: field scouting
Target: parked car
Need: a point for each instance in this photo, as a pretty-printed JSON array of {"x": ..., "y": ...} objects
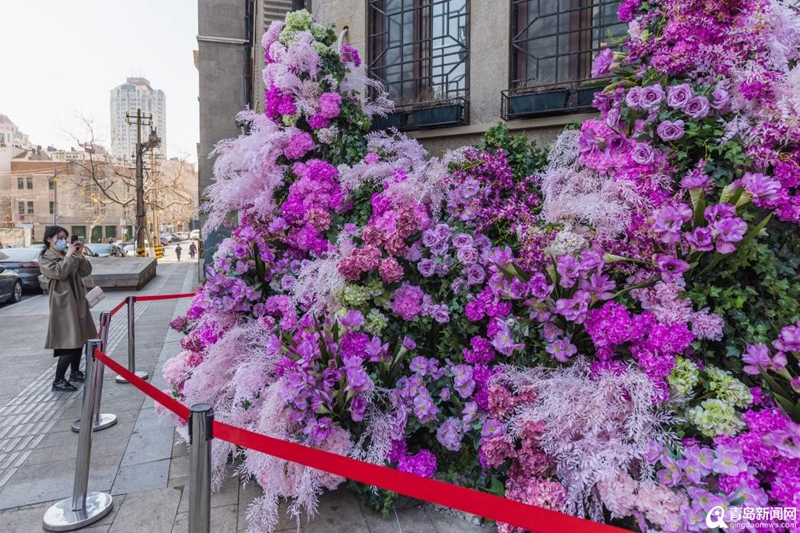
[
  {"x": 97, "y": 250},
  {"x": 184, "y": 235},
  {"x": 10, "y": 286},
  {"x": 194, "y": 235},
  {"x": 24, "y": 262},
  {"x": 130, "y": 249}
]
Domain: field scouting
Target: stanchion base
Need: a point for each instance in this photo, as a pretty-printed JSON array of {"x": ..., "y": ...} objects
[
  {"x": 61, "y": 517},
  {"x": 139, "y": 374},
  {"x": 106, "y": 421}
]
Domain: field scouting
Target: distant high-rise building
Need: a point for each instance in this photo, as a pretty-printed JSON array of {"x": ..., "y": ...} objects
[{"x": 136, "y": 93}]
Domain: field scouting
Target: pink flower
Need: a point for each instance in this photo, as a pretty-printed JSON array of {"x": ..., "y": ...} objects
[
  {"x": 603, "y": 62},
  {"x": 329, "y": 105},
  {"x": 390, "y": 270},
  {"x": 407, "y": 301}
]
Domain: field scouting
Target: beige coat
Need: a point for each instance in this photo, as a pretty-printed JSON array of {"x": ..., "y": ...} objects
[{"x": 71, "y": 323}]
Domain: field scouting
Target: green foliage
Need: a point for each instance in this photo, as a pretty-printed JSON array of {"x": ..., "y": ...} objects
[{"x": 524, "y": 156}]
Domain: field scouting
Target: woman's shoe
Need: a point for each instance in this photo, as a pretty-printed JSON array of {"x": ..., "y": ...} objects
[
  {"x": 64, "y": 386},
  {"x": 77, "y": 376}
]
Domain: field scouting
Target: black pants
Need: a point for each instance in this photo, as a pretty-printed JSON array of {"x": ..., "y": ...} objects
[{"x": 67, "y": 358}]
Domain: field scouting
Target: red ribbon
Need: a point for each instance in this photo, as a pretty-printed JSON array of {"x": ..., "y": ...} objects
[
  {"x": 430, "y": 490},
  {"x": 118, "y": 307},
  {"x": 164, "y": 297},
  {"x": 149, "y": 390}
]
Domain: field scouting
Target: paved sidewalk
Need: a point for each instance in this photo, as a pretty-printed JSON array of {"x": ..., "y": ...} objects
[{"x": 139, "y": 460}]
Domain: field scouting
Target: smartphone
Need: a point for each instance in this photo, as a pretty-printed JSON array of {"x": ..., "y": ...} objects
[{"x": 74, "y": 238}]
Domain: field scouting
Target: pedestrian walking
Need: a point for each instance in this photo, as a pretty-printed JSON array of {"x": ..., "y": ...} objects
[
  {"x": 70, "y": 322},
  {"x": 178, "y": 251},
  {"x": 192, "y": 250}
]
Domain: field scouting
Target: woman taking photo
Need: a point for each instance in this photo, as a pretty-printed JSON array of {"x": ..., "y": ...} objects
[{"x": 71, "y": 323}]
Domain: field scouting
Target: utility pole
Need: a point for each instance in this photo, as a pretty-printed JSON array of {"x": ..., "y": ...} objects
[
  {"x": 141, "y": 148},
  {"x": 55, "y": 199}
]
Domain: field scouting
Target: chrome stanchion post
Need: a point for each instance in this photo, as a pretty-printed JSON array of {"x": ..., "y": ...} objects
[
  {"x": 101, "y": 420},
  {"x": 131, "y": 304},
  {"x": 200, "y": 435},
  {"x": 84, "y": 507}
]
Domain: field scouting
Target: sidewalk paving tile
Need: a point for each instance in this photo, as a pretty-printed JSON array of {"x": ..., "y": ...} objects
[
  {"x": 141, "y": 477},
  {"x": 151, "y": 512},
  {"x": 223, "y": 519}
]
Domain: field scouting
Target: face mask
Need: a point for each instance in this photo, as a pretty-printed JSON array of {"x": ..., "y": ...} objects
[{"x": 60, "y": 245}]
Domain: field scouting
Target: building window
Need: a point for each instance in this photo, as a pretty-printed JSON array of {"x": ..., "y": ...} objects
[
  {"x": 21, "y": 208},
  {"x": 30, "y": 207},
  {"x": 52, "y": 207},
  {"x": 419, "y": 49},
  {"x": 553, "y": 44},
  {"x": 20, "y": 183},
  {"x": 51, "y": 183},
  {"x": 29, "y": 183}
]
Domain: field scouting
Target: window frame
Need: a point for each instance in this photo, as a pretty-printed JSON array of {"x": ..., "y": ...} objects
[
  {"x": 429, "y": 71},
  {"x": 31, "y": 208},
  {"x": 558, "y": 94}
]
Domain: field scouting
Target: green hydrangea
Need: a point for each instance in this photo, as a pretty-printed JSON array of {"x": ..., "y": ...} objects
[
  {"x": 727, "y": 388},
  {"x": 715, "y": 417},
  {"x": 289, "y": 120},
  {"x": 683, "y": 378},
  {"x": 375, "y": 322},
  {"x": 353, "y": 295},
  {"x": 295, "y": 21}
]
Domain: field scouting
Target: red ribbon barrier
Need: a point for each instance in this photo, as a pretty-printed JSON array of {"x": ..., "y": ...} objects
[
  {"x": 149, "y": 390},
  {"x": 468, "y": 500},
  {"x": 164, "y": 297},
  {"x": 118, "y": 307}
]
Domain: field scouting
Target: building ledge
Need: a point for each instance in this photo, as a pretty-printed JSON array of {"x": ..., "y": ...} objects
[{"x": 513, "y": 125}]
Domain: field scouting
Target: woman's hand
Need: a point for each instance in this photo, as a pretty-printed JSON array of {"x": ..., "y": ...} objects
[{"x": 72, "y": 249}]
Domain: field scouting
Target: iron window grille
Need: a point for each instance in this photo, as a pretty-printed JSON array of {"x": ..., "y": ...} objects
[
  {"x": 419, "y": 49},
  {"x": 553, "y": 45}
]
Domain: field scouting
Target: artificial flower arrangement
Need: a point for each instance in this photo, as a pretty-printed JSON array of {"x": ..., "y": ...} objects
[{"x": 610, "y": 329}]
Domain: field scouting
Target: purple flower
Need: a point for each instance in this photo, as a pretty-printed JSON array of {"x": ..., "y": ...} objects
[
  {"x": 671, "y": 474},
  {"x": 503, "y": 342},
  {"x": 441, "y": 314},
  {"x": 697, "y": 107},
  {"x": 789, "y": 339},
  {"x": 463, "y": 240},
  {"x": 670, "y": 131},
  {"x": 357, "y": 407},
  {"x": 409, "y": 344},
  {"x": 729, "y": 231},
  {"x": 701, "y": 238},
  {"x": 668, "y": 222},
  {"x": 575, "y": 308},
  {"x": 679, "y": 95},
  {"x": 424, "y": 409},
  {"x": 643, "y": 154},
  {"x": 696, "y": 178},
  {"x": 562, "y": 350},
  {"x": 720, "y": 99},
  {"x": 757, "y": 357},
  {"x": 426, "y": 267},
  {"x": 329, "y": 105},
  {"x": 449, "y": 434},
  {"x": 319, "y": 430},
  {"x": 469, "y": 412},
  {"x": 671, "y": 268},
  {"x": 419, "y": 365},
  {"x": 462, "y": 380},
  {"x": 350, "y": 55},
  {"x": 442, "y": 232},
  {"x": 422, "y": 464},
  {"x": 603, "y": 62},
  {"x": 491, "y": 427},
  {"x": 352, "y": 319},
  {"x": 764, "y": 189},
  {"x": 634, "y": 98},
  {"x": 467, "y": 256},
  {"x": 652, "y": 96},
  {"x": 729, "y": 461},
  {"x": 475, "y": 275}
]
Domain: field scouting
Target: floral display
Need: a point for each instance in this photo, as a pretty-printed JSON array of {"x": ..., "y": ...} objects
[{"x": 610, "y": 329}]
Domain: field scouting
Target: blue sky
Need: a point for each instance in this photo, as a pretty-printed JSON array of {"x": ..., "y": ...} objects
[{"x": 60, "y": 58}]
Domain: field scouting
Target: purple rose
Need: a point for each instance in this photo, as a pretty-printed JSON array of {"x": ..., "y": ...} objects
[
  {"x": 652, "y": 96},
  {"x": 721, "y": 99},
  {"x": 697, "y": 107},
  {"x": 463, "y": 240},
  {"x": 467, "y": 256},
  {"x": 441, "y": 315},
  {"x": 429, "y": 238},
  {"x": 442, "y": 231},
  {"x": 475, "y": 275},
  {"x": 670, "y": 131},
  {"x": 643, "y": 154},
  {"x": 603, "y": 63},
  {"x": 634, "y": 98},
  {"x": 679, "y": 95},
  {"x": 426, "y": 267}
]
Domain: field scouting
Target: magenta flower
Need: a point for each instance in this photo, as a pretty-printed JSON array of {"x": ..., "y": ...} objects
[
  {"x": 671, "y": 268},
  {"x": 720, "y": 99},
  {"x": 728, "y": 231},
  {"x": 757, "y": 357},
  {"x": 329, "y": 105},
  {"x": 701, "y": 238},
  {"x": 669, "y": 220},
  {"x": 789, "y": 339},
  {"x": 643, "y": 154},
  {"x": 634, "y": 97},
  {"x": 422, "y": 464},
  {"x": 765, "y": 190},
  {"x": 561, "y": 350},
  {"x": 574, "y": 309},
  {"x": 603, "y": 63}
]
